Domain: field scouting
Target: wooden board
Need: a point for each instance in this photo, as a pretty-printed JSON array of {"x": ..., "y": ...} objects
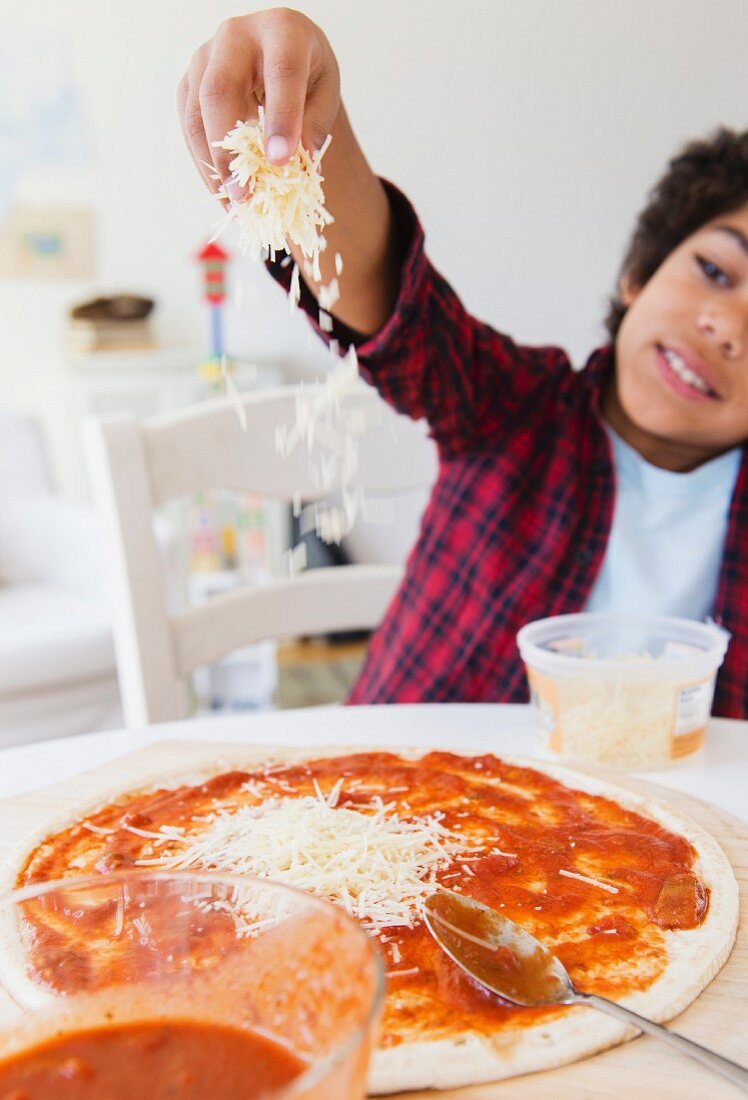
[{"x": 642, "y": 1068}]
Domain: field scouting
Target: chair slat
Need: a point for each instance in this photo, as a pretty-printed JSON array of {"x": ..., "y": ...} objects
[
  {"x": 204, "y": 448},
  {"x": 323, "y": 600}
]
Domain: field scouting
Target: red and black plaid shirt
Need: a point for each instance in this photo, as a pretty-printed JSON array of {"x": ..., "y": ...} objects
[{"x": 519, "y": 519}]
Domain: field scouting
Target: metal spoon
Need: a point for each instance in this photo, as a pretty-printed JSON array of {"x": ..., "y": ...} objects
[{"x": 509, "y": 961}]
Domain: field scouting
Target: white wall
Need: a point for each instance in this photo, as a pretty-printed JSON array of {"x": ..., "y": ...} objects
[{"x": 526, "y": 132}]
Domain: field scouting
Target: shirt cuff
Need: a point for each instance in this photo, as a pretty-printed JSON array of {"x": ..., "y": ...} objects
[{"x": 413, "y": 272}]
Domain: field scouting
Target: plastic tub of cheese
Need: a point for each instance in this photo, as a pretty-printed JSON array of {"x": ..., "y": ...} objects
[{"x": 630, "y": 691}]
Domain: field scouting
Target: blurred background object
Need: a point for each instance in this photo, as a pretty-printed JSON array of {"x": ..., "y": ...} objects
[
  {"x": 116, "y": 323},
  {"x": 57, "y": 669},
  {"x": 43, "y": 242}
]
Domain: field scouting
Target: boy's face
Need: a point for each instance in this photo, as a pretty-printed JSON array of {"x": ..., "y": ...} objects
[{"x": 681, "y": 390}]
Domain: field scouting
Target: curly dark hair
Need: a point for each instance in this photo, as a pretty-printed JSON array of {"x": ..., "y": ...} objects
[{"x": 708, "y": 177}]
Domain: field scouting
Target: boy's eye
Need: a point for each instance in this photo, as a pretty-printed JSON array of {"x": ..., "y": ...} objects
[{"x": 713, "y": 272}]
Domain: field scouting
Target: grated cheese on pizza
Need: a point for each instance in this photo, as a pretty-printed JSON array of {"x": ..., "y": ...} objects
[
  {"x": 376, "y": 865},
  {"x": 590, "y": 881}
]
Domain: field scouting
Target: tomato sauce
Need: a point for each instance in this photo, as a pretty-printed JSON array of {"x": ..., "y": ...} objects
[
  {"x": 157, "y": 1060},
  {"x": 521, "y": 829}
]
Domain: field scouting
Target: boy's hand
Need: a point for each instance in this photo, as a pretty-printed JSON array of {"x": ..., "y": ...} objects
[
  {"x": 280, "y": 59},
  {"x": 277, "y": 58}
]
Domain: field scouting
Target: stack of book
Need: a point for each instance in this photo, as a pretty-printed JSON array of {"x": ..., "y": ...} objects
[
  {"x": 117, "y": 323},
  {"x": 83, "y": 336}
]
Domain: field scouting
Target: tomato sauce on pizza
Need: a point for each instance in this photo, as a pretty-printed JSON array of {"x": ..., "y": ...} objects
[{"x": 599, "y": 884}]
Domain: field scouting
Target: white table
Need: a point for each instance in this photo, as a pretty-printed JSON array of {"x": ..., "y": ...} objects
[{"x": 718, "y": 775}]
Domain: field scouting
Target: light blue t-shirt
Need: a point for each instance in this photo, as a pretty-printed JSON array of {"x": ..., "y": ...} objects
[{"x": 665, "y": 547}]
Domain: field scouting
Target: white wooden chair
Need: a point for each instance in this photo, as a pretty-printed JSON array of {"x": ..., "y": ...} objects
[{"x": 136, "y": 467}]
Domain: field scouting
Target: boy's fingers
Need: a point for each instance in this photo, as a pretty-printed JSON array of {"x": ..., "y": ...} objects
[
  {"x": 225, "y": 94},
  {"x": 273, "y": 57},
  {"x": 190, "y": 115},
  {"x": 201, "y": 169},
  {"x": 235, "y": 191},
  {"x": 321, "y": 109},
  {"x": 285, "y": 77}
]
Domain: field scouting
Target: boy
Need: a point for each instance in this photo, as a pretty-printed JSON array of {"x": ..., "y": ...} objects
[{"x": 621, "y": 487}]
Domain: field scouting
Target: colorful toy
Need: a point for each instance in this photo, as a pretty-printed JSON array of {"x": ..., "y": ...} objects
[{"x": 214, "y": 260}]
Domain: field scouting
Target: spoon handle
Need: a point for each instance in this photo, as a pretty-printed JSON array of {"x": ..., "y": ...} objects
[{"x": 735, "y": 1073}]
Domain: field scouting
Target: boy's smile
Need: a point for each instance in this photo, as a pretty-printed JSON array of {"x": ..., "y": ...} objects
[{"x": 680, "y": 393}]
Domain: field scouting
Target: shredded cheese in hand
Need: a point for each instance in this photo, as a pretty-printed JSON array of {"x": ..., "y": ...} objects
[{"x": 286, "y": 205}]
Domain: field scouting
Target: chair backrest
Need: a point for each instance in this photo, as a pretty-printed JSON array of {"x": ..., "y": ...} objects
[{"x": 136, "y": 467}]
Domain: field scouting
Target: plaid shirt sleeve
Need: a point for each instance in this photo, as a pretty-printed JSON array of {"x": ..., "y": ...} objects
[{"x": 433, "y": 359}]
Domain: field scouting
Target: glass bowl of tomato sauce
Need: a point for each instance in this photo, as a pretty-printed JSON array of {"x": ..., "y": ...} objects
[{"x": 183, "y": 985}]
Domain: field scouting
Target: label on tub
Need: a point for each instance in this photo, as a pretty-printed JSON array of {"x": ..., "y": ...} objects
[
  {"x": 693, "y": 704},
  {"x": 681, "y": 726},
  {"x": 545, "y": 707}
]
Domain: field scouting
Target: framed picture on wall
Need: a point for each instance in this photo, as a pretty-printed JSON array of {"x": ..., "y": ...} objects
[{"x": 47, "y": 242}]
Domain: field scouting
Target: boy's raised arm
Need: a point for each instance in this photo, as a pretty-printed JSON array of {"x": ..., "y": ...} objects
[
  {"x": 281, "y": 59},
  {"x": 433, "y": 359}
]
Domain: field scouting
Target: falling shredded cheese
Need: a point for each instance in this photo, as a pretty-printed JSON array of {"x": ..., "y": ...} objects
[
  {"x": 330, "y": 425},
  {"x": 376, "y": 865},
  {"x": 285, "y": 208},
  {"x": 236, "y": 399},
  {"x": 328, "y": 295},
  {"x": 294, "y": 292},
  {"x": 294, "y": 560}
]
